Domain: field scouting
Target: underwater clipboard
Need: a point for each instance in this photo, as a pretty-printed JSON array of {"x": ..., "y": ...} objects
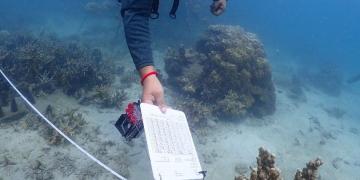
[{"x": 170, "y": 145}]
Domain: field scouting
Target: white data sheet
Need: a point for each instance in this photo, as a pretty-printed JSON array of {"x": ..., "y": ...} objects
[{"x": 171, "y": 148}]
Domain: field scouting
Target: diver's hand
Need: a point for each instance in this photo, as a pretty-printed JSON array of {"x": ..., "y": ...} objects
[
  {"x": 218, "y": 7},
  {"x": 153, "y": 91}
]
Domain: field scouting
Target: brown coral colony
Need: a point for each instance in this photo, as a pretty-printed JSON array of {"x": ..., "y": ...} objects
[{"x": 227, "y": 71}]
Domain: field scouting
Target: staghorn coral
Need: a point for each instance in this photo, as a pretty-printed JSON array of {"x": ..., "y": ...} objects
[
  {"x": 310, "y": 172},
  {"x": 227, "y": 71}
]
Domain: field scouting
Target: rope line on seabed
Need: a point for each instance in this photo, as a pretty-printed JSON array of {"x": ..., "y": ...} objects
[{"x": 59, "y": 131}]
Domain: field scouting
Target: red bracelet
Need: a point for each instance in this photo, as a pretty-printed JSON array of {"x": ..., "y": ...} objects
[{"x": 147, "y": 75}]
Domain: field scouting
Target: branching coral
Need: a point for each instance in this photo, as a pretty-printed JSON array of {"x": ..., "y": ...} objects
[{"x": 227, "y": 71}]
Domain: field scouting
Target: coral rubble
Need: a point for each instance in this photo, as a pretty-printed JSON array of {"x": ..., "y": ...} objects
[
  {"x": 227, "y": 71},
  {"x": 310, "y": 172}
]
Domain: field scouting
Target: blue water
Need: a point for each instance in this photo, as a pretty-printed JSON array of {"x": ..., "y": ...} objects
[
  {"x": 297, "y": 34},
  {"x": 315, "y": 30}
]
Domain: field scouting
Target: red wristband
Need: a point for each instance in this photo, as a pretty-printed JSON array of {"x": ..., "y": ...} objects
[{"x": 147, "y": 75}]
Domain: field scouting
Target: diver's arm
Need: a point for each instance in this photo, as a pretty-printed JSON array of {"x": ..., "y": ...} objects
[
  {"x": 153, "y": 92},
  {"x": 136, "y": 14}
]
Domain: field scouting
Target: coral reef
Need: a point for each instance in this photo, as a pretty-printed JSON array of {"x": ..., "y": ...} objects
[
  {"x": 310, "y": 172},
  {"x": 227, "y": 71},
  {"x": 266, "y": 169},
  {"x": 41, "y": 64}
]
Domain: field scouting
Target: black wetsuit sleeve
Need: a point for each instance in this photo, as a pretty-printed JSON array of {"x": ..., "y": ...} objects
[{"x": 136, "y": 15}]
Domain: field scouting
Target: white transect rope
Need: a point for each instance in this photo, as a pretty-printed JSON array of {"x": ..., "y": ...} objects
[{"x": 60, "y": 132}]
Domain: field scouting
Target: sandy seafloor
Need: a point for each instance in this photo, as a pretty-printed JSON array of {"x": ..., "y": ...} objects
[{"x": 221, "y": 147}]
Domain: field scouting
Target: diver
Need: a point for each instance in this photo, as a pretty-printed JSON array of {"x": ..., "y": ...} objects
[{"x": 136, "y": 15}]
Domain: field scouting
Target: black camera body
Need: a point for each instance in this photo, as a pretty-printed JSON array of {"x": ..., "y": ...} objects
[{"x": 130, "y": 124}]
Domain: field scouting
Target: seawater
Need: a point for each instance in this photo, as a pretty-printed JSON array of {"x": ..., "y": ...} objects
[{"x": 302, "y": 39}]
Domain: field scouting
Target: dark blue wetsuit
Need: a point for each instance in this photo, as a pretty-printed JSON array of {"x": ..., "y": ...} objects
[{"x": 136, "y": 15}]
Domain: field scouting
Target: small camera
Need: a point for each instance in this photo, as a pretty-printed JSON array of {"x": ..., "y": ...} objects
[{"x": 130, "y": 124}]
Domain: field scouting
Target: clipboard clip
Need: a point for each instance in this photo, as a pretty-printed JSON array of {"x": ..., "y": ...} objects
[{"x": 203, "y": 173}]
